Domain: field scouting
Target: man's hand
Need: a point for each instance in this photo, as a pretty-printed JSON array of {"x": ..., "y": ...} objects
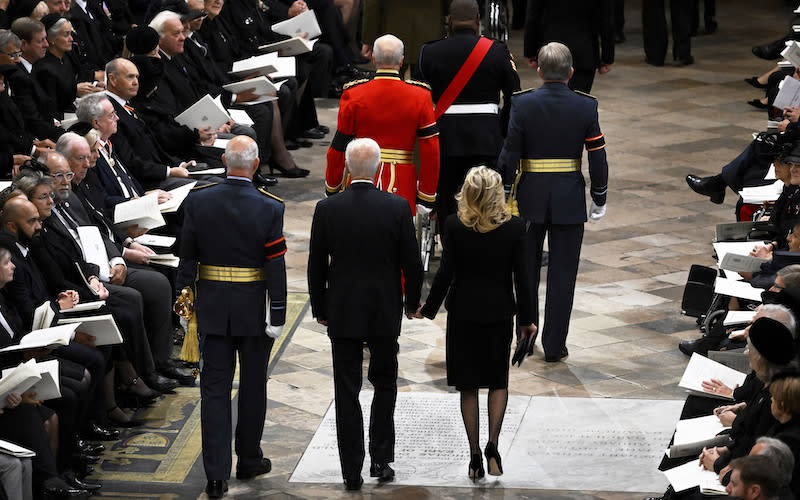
[
  {"x": 4, "y": 4},
  {"x": 366, "y": 50},
  {"x": 533, "y": 63},
  {"x": 135, "y": 231},
  {"x": 597, "y": 212},
  {"x": 707, "y": 458},
  {"x": 225, "y": 128},
  {"x": 762, "y": 251},
  {"x": 782, "y": 125},
  {"x": 322, "y": 322},
  {"x": 13, "y": 400},
  {"x": 136, "y": 257},
  {"x": 117, "y": 274},
  {"x": 414, "y": 312},
  {"x": 85, "y": 339},
  {"x": 791, "y": 114},
  {"x": 29, "y": 397},
  {"x": 179, "y": 172},
  {"x": 604, "y": 68},
  {"x": 162, "y": 195},
  {"x": 86, "y": 88},
  {"x": 68, "y": 299},
  {"x": 247, "y": 95},
  {"x": 142, "y": 248},
  {"x": 298, "y": 7},
  {"x": 206, "y": 136},
  {"x": 97, "y": 286},
  {"x": 35, "y": 353}
]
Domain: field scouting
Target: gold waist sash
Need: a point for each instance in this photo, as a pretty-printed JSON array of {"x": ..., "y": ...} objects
[
  {"x": 232, "y": 274},
  {"x": 549, "y": 165},
  {"x": 397, "y": 156}
]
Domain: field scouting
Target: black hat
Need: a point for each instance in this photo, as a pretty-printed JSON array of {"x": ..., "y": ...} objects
[
  {"x": 792, "y": 155},
  {"x": 141, "y": 40},
  {"x": 192, "y": 15},
  {"x": 150, "y": 71},
  {"x": 50, "y": 19},
  {"x": 772, "y": 340}
]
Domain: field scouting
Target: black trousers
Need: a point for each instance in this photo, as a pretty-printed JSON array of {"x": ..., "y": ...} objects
[
  {"x": 654, "y": 29},
  {"x": 216, "y": 381},
  {"x": 564, "y": 241},
  {"x": 157, "y": 297},
  {"x": 348, "y": 356},
  {"x": 582, "y": 79}
]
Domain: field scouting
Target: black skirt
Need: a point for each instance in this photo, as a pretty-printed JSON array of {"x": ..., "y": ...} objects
[{"x": 478, "y": 353}]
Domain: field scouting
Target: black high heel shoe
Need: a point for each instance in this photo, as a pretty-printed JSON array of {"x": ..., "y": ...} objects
[
  {"x": 493, "y": 462},
  {"x": 292, "y": 173},
  {"x": 753, "y": 80},
  {"x": 113, "y": 417},
  {"x": 756, "y": 103},
  {"x": 476, "y": 467}
]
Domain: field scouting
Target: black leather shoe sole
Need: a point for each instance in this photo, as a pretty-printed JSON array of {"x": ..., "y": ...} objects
[
  {"x": 266, "y": 466},
  {"x": 353, "y": 484}
]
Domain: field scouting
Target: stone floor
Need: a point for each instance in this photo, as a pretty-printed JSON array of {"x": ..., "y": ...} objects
[{"x": 660, "y": 124}]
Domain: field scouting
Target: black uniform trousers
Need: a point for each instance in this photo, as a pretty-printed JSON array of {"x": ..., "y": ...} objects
[
  {"x": 654, "y": 30},
  {"x": 216, "y": 381},
  {"x": 564, "y": 242},
  {"x": 582, "y": 79},
  {"x": 382, "y": 374}
]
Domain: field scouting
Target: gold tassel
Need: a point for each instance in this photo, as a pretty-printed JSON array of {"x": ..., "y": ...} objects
[
  {"x": 511, "y": 203},
  {"x": 184, "y": 307}
]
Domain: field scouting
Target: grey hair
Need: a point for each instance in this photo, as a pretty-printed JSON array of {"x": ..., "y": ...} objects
[
  {"x": 242, "y": 158},
  {"x": 780, "y": 454},
  {"x": 112, "y": 66},
  {"x": 362, "y": 157},
  {"x": 790, "y": 275},
  {"x": 56, "y": 27},
  {"x": 158, "y": 21},
  {"x": 89, "y": 107},
  {"x": 781, "y": 314},
  {"x": 388, "y": 50},
  {"x": 28, "y": 180},
  {"x": 8, "y": 36},
  {"x": 64, "y": 145},
  {"x": 555, "y": 61}
]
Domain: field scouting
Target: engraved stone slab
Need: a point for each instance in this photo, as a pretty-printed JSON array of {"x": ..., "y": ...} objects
[{"x": 546, "y": 443}]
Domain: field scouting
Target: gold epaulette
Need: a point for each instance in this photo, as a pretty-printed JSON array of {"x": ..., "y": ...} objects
[
  {"x": 354, "y": 83},
  {"x": 518, "y": 92},
  {"x": 197, "y": 188},
  {"x": 585, "y": 94},
  {"x": 264, "y": 191},
  {"x": 419, "y": 84}
]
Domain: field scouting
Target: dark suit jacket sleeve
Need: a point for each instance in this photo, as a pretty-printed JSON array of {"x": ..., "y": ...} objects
[
  {"x": 187, "y": 269},
  {"x": 411, "y": 262},
  {"x": 606, "y": 26},
  {"x": 143, "y": 170},
  {"x": 318, "y": 264},
  {"x": 34, "y": 122},
  {"x": 275, "y": 268},
  {"x": 508, "y": 162},
  {"x": 510, "y": 85},
  {"x": 444, "y": 275},
  {"x": 533, "y": 28},
  {"x": 598, "y": 166}
]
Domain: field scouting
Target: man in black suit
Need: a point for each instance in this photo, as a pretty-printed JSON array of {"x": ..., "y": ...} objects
[
  {"x": 585, "y": 26},
  {"x": 362, "y": 244},
  {"x": 547, "y": 133},
  {"x": 236, "y": 264},
  {"x": 655, "y": 34},
  {"x": 472, "y": 128}
]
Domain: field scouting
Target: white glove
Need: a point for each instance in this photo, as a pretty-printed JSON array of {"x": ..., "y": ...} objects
[
  {"x": 423, "y": 210},
  {"x": 597, "y": 212},
  {"x": 184, "y": 324},
  {"x": 274, "y": 331}
]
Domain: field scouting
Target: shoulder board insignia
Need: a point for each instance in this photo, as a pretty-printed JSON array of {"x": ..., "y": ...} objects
[
  {"x": 518, "y": 92},
  {"x": 590, "y": 96},
  {"x": 354, "y": 83},
  {"x": 197, "y": 188},
  {"x": 418, "y": 84},
  {"x": 264, "y": 191}
]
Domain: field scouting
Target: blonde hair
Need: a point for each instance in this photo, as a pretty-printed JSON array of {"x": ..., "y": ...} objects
[
  {"x": 92, "y": 136},
  {"x": 482, "y": 202}
]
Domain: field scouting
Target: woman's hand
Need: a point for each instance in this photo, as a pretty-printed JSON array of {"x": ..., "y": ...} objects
[
  {"x": 715, "y": 386},
  {"x": 707, "y": 458}
]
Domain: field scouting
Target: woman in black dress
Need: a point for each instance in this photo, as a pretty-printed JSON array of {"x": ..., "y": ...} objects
[{"x": 483, "y": 261}]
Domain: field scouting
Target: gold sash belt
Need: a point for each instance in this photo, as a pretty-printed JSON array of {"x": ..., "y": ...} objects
[
  {"x": 232, "y": 274},
  {"x": 397, "y": 156},
  {"x": 550, "y": 165}
]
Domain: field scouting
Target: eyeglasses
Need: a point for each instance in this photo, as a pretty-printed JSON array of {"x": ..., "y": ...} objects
[
  {"x": 44, "y": 197},
  {"x": 13, "y": 55},
  {"x": 63, "y": 175},
  {"x": 113, "y": 114}
]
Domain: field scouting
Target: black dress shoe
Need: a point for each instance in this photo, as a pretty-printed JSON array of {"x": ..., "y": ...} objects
[
  {"x": 383, "y": 472},
  {"x": 216, "y": 488},
  {"x": 685, "y": 61},
  {"x": 558, "y": 357},
  {"x": 756, "y": 103},
  {"x": 753, "y": 80},
  {"x": 178, "y": 374},
  {"x": 292, "y": 173},
  {"x": 620, "y": 38},
  {"x": 713, "y": 187},
  {"x": 89, "y": 448},
  {"x": 73, "y": 481},
  {"x": 265, "y": 181},
  {"x": 653, "y": 62},
  {"x": 161, "y": 383},
  {"x": 700, "y": 346},
  {"x": 711, "y": 26},
  {"x": 262, "y": 468},
  {"x": 770, "y": 51},
  {"x": 312, "y": 133},
  {"x": 101, "y": 433},
  {"x": 353, "y": 483},
  {"x": 55, "y": 487},
  {"x": 324, "y": 129}
]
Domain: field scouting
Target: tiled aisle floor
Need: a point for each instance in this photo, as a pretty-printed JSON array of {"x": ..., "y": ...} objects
[{"x": 660, "y": 124}]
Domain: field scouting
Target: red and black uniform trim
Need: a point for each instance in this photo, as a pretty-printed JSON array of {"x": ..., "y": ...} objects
[
  {"x": 595, "y": 143},
  {"x": 275, "y": 249},
  {"x": 340, "y": 141}
]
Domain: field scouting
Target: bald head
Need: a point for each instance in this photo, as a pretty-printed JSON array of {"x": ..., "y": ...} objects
[
  {"x": 362, "y": 157},
  {"x": 387, "y": 52},
  {"x": 21, "y": 218},
  {"x": 241, "y": 156}
]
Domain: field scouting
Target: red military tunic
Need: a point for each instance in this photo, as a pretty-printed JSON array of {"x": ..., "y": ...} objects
[{"x": 394, "y": 114}]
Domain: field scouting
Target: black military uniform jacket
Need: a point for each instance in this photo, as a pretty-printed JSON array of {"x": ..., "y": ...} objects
[{"x": 470, "y": 134}]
